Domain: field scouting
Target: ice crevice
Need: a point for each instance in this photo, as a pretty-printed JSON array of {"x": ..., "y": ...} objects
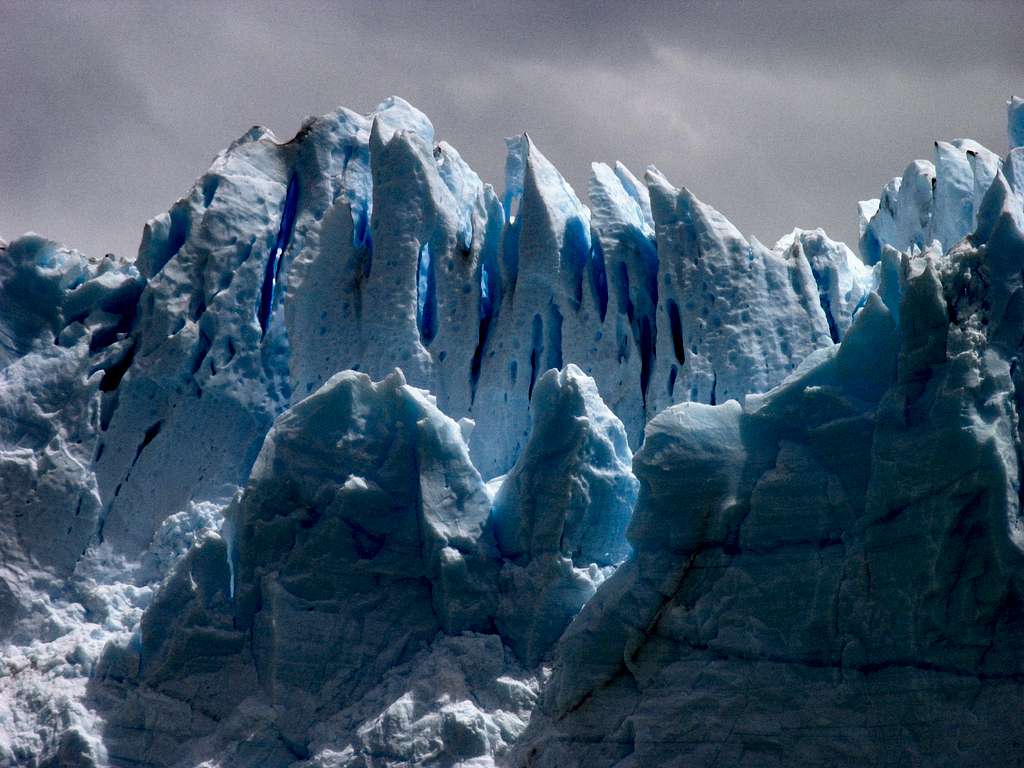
[{"x": 271, "y": 275}]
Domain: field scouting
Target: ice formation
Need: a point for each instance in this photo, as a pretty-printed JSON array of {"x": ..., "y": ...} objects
[{"x": 360, "y": 464}]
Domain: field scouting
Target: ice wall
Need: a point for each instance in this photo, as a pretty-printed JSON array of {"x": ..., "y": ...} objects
[{"x": 231, "y": 530}]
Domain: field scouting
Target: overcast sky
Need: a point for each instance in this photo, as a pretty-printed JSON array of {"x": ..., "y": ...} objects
[{"x": 778, "y": 115}]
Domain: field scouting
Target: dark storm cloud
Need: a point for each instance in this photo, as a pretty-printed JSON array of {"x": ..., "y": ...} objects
[{"x": 781, "y": 115}]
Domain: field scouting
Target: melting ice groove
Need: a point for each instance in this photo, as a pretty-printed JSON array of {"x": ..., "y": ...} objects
[
  {"x": 395, "y": 471},
  {"x": 272, "y": 273}
]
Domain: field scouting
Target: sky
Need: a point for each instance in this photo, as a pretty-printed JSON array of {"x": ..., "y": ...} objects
[{"x": 778, "y": 114}]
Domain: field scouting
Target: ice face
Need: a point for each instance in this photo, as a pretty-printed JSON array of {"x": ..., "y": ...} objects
[
  {"x": 1015, "y": 114},
  {"x": 801, "y": 555},
  {"x": 362, "y": 245},
  {"x": 364, "y": 528},
  {"x": 63, "y": 322},
  {"x": 251, "y": 466},
  {"x": 842, "y": 280},
  {"x": 733, "y": 317},
  {"x": 932, "y": 201},
  {"x": 560, "y": 516},
  {"x": 879, "y": 483},
  {"x": 360, "y": 530}
]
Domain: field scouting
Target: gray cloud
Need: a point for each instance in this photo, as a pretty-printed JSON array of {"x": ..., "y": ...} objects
[{"x": 780, "y": 115}]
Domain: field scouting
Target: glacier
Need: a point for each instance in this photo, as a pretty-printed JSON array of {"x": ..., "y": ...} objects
[{"x": 360, "y": 463}]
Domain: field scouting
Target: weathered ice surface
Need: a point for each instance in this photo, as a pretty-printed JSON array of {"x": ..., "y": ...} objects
[
  {"x": 842, "y": 279},
  {"x": 733, "y": 316},
  {"x": 360, "y": 530},
  {"x": 560, "y": 516},
  {"x": 937, "y": 200},
  {"x": 359, "y": 463},
  {"x": 57, "y": 306},
  {"x": 832, "y": 573},
  {"x": 361, "y": 244},
  {"x": 355, "y": 606}
]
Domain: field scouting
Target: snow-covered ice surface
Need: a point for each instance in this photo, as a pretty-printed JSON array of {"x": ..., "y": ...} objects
[{"x": 298, "y": 486}]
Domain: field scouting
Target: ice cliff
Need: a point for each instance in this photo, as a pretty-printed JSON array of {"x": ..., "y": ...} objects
[{"x": 359, "y": 464}]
